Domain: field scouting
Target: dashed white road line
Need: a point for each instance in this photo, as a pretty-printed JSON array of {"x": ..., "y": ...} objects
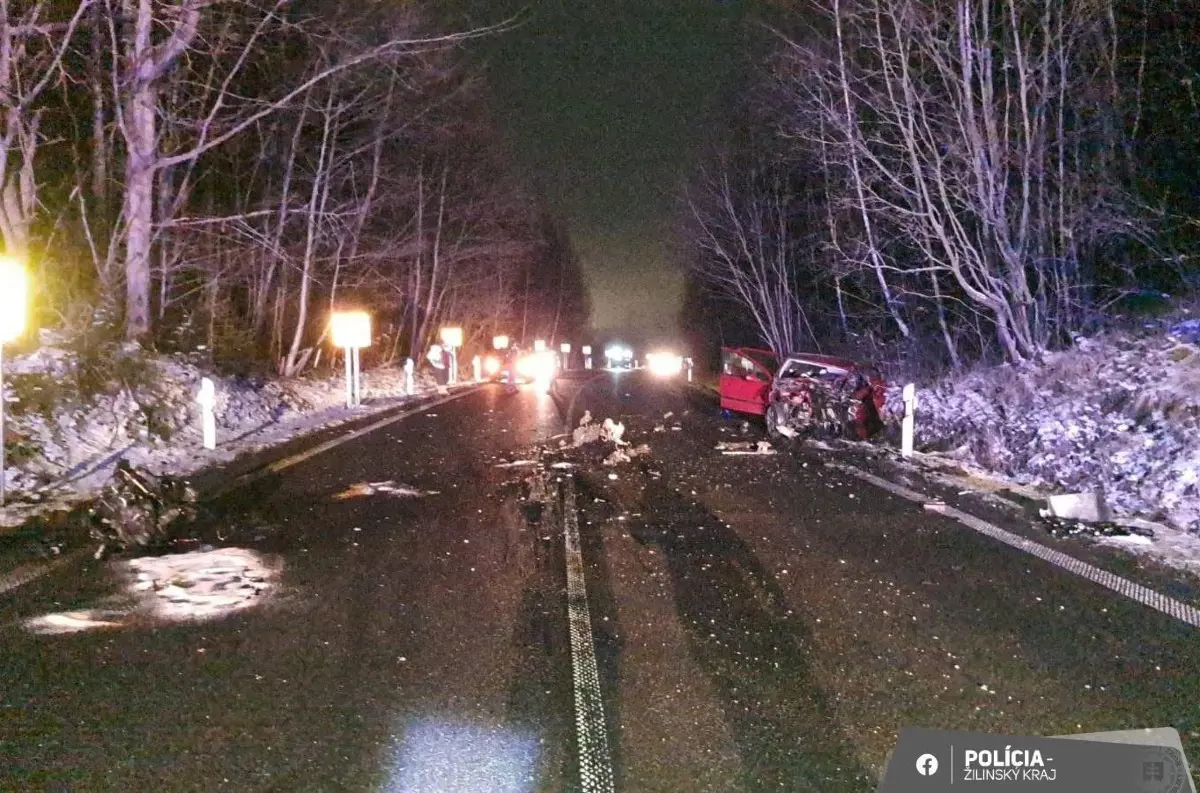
[
  {"x": 595, "y": 759},
  {"x": 1122, "y": 586}
]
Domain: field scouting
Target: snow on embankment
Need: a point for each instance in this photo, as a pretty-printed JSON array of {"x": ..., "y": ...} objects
[
  {"x": 68, "y": 421},
  {"x": 1119, "y": 411}
]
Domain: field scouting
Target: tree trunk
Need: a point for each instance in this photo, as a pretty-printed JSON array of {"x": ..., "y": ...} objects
[
  {"x": 147, "y": 63},
  {"x": 316, "y": 205},
  {"x": 99, "y": 90},
  {"x": 139, "y": 210}
]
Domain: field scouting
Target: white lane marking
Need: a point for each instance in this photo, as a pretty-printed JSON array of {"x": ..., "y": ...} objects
[
  {"x": 1122, "y": 586},
  {"x": 32, "y": 572},
  {"x": 595, "y": 761},
  {"x": 308, "y": 454}
]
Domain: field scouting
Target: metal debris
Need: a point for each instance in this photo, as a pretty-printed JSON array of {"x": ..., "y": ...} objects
[
  {"x": 138, "y": 509},
  {"x": 388, "y": 488},
  {"x": 1061, "y": 528},
  {"x": 746, "y": 447},
  {"x": 626, "y": 455}
]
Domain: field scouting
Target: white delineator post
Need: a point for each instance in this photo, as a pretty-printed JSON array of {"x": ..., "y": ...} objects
[
  {"x": 357, "y": 371},
  {"x": 353, "y": 378},
  {"x": 208, "y": 420},
  {"x": 688, "y": 363},
  {"x": 477, "y": 364},
  {"x": 910, "y": 409},
  {"x": 587, "y": 357},
  {"x": 409, "y": 386},
  {"x": 452, "y": 339}
]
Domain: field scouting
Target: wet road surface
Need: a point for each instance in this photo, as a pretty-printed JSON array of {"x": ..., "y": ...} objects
[{"x": 759, "y": 623}]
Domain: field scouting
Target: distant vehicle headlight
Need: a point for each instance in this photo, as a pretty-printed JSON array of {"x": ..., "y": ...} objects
[
  {"x": 491, "y": 365},
  {"x": 538, "y": 366},
  {"x": 618, "y": 354},
  {"x": 664, "y": 364}
]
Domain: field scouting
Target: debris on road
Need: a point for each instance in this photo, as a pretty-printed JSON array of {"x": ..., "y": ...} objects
[
  {"x": 389, "y": 488},
  {"x": 517, "y": 464},
  {"x": 138, "y": 509},
  {"x": 746, "y": 447},
  {"x": 624, "y": 456},
  {"x": 1089, "y": 507},
  {"x": 1060, "y": 528},
  {"x": 609, "y": 431},
  {"x": 935, "y": 506},
  {"x": 71, "y": 622}
]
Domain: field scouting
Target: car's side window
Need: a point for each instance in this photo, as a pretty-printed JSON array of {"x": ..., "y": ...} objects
[{"x": 734, "y": 365}]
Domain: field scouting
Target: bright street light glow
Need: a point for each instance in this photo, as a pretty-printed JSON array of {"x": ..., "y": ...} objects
[
  {"x": 500, "y": 342},
  {"x": 452, "y": 337},
  {"x": 564, "y": 348},
  {"x": 350, "y": 329},
  {"x": 587, "y": 349},
  {"x": 539, "y": 345},
  {"x": 14, "y": 299},
  {"x": 491, "y": 365}
]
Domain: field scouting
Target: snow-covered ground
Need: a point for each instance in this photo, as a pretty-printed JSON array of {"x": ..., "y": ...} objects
[
  {"x": 1119, "y": 412},
  {"x": 63, "y": 449}
]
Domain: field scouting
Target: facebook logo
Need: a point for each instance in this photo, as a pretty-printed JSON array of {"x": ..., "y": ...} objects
[{"x": 927, "y": 765}]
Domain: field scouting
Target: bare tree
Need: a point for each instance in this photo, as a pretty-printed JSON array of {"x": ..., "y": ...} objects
[
  {"x": 223, "y": 115},
  {"x": 34, "y": 37},
  {"x": 746, "y": 249},
  {"x": 960, "y": 128}
]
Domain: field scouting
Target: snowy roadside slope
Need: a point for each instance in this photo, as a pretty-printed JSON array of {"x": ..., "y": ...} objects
[
  {"x": 1119, "y": 411},
  {"x": 62, "y": 450}
]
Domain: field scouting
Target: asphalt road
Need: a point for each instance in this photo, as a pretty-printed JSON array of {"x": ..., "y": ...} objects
[{"x": 759, "y": 623}]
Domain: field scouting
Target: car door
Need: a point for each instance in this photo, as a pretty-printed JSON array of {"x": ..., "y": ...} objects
[{"x": 745, "y": 383}]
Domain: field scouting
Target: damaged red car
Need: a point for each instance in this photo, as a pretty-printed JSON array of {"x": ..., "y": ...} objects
[{"x": 807, "y": 394}]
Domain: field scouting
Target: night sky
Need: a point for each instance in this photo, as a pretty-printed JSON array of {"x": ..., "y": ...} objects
[{"x": 606, "y": 102}]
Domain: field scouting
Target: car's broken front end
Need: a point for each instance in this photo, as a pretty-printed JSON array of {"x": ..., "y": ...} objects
[
  {"x": 809, "y": 406},
  {"x": 853, "y": 405}
]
